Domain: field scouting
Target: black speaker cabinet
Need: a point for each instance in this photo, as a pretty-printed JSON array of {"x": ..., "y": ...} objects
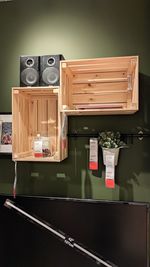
[
  {"x": 50, "y": 69},
  {"x": 29, "y": 70}
]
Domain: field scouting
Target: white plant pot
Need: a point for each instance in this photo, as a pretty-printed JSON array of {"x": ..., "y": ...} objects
[{"x": 111, "y": 151}]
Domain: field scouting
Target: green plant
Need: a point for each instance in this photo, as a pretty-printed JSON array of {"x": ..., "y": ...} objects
[{"x": 110, "y": 139}]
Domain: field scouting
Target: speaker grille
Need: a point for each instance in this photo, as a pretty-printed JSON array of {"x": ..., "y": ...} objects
[
  {"x": 29, "y": 70},
  {"x": 50, "y": 69}
]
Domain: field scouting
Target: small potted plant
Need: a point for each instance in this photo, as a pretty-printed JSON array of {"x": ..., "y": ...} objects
[{"x": 110, "y": 142}]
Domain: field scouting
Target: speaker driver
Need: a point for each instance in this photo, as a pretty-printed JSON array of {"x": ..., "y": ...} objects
[
  {"x": 50, "y": 75},
  {"x": 29, "y": 62},
  {"x": 29, "y": 76},
  {"x": 51, "y": 61}
]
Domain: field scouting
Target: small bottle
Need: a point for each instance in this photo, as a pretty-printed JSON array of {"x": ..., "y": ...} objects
[{"x": 37, "y": 147}]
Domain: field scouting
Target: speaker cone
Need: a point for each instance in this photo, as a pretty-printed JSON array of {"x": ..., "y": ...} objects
[
  {"x": 29, "y": 76},
  {"x": 50, "y": 75}
]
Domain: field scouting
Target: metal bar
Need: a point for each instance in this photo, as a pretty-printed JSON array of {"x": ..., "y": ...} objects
[
  {"x": 138, "y": 135},
  {"x": 67, "y": 240}
]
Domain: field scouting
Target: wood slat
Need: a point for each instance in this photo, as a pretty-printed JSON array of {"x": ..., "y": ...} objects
[
  {"x": 100, "y": 98},
  {"x": 53, "y": 124},
  {"x": 91, "y": 61},
  {"x": 99, "y": 75},
  {"x": 106, "y": 80},
  {"x": 98, "y": 87}
]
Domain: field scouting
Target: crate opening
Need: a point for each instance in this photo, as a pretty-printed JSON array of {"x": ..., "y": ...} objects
[
  {"x": 35, "y": 113},
  {"x": 105, "y": 83}
]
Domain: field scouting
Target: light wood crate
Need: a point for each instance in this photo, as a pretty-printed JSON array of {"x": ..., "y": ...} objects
[
  {"x": 35, "y": 110},
  {"x": 99, "y": 86}
]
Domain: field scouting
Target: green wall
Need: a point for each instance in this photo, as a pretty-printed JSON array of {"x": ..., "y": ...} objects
[{"x": 79, "y": 29}]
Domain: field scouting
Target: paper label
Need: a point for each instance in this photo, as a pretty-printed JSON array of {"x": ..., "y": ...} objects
[
  {"x": 38, "y": 146},
  {"x": 64, "y": 131},
  {"x": 93, "y": 155},
  {"x": 110, "y": 171},
  {"x": 46, "y": 146}
]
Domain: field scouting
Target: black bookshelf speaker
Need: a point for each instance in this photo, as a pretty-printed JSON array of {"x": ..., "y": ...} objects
[
  {"x": 50, "y": 70},
  {"x": 29, "y": 70}
]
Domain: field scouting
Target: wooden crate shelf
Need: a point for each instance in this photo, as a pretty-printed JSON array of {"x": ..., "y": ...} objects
[
  {"x": 36, "y": 110},
  {"x": 99, "y": 86}
]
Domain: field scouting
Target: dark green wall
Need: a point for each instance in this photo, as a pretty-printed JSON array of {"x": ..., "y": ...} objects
[{"x": 79, "y": 29}]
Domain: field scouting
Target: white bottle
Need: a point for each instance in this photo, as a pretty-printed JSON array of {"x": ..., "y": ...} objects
[{"x": 37, "y": 146}]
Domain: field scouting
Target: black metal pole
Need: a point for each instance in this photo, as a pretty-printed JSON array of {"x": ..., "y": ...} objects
[{"x": 66, "y": 239}]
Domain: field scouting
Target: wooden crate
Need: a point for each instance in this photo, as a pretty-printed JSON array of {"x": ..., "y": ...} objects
[
  {"x": 35, "y": 110},
  {"x": 99, "y": 86}
]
